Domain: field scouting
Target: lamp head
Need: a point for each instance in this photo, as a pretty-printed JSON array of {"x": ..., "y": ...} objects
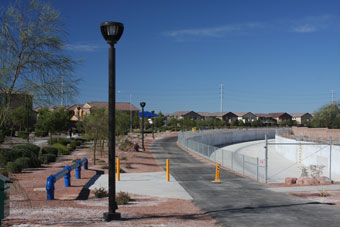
[
  {"x": 111, "y": 31},
  {"x": 142, "y": 104}
]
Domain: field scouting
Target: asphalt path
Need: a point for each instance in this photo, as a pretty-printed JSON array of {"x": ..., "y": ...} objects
[{"x": 238, "y": 201}]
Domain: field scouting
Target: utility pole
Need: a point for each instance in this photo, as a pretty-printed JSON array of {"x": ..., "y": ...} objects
[
  {"x": 130, "y": 116},
  {"x": 221, "y": 99},
  {"x": 62, "y": 90},
  {"x": 332, "y": 95}
]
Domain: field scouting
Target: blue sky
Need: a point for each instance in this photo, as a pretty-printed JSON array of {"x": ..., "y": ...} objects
[{"x": 271, "y": 56}]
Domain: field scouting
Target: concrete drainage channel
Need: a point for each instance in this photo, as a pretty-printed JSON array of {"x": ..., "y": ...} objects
[{"x": 209, "y": 145}]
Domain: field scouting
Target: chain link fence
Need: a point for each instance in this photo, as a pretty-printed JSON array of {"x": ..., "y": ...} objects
[{"x": 209, "y": 144}]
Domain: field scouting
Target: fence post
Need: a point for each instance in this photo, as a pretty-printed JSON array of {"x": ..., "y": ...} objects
[
  {"x": 257, "y": 169},
  {"x": 86, "y": 163},
  {"x": 50, "y": 187},
  {"x": 330, "y": 157},
  {"x": 78, "y": 170},
  {"x": 222, "y": 156},
  {"x": 67, "y": 177},
  {"x": 266, "y": 157}
]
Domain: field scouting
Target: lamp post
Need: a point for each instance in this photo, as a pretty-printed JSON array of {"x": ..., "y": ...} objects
[
  {"x": 153, "y": 124},
  {"x": 78, "y": 108},
  {"x": 112, "y": 31},
  {"x": 142, "y": 104}
]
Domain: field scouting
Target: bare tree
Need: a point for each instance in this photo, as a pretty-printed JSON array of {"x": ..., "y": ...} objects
[{"x": 31, "y": 55}]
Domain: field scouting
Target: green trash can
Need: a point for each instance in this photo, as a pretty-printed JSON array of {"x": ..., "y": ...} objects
[{"x": 4, "y": 197}]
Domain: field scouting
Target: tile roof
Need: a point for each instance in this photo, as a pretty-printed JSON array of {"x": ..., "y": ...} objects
[
  {"x": 124, "y": 106},
  {"x": 240, "y": 114},
  {"x": 298, "y": 114},
  {"x": 276, "y": 115},
  {"x": 181, "y": 113}
]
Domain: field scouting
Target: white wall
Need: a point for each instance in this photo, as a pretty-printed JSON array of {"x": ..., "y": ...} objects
[{"x": 310, "y": 155}]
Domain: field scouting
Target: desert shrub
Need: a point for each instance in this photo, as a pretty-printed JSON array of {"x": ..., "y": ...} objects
[
  {"x": 100, "y": 192},
  {"x": 73, "y": 145},
  {"x": 24, "y": 162},
  {"x": 13, "y": 167},
  {"x": 4, "y": 172},
  {"x": 26, "y": 150},
  {"x": 75, "y": 160},
  {"x": 22, "y": 134},
  {"x": 31, "y": 147},
  {"x": 6, "y": 155},
  {"x": 61, "y": 140},
  {"x": 123, "y": 198},
  {"x": 125, "y": 144},
  {"x": 2, "y": 136},
  {"x": 49, "y": 150},
  {"x": 62, "y": 150},
  {"x": 40, "y": 133},
  {"x": 316, "y": 170},
  {"x": 47, "y": 158},
  {"x": 105, "y": 167}
]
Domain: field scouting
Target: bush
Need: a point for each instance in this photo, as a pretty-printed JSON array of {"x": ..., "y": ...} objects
[
  {"x": 6, "y": 155},
  {"x": 24, "y": 162},
  {"x": 74, "y": 144},
  {"x": 47, "y": 158},
  {"x": 61, "y": 140},
  {"x": 75, "y": 160},
  {"x": 22, "y": 134},
  {"x": 125, "y": 144},
  {"x": 122, "y": 198},
  {"x": 13, "y": 167},
  {"x": 40, "y": 133},
  {"x": 50, "y": 150},
  {"x": 62, "y": 150},
  {"x": 100, "y": 192},
  {"x": 4, "y": 172},
  {"x": 27, "y": 150},
  {"x": 2, "y": 136}
]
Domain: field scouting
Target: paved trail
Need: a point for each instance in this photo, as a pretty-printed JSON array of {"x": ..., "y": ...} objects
[{"x": 238, "y": 201}]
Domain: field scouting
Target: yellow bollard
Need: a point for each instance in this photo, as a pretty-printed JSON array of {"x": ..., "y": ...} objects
[
  {"x": 167, "y": 171},
  {"x": 118, "y": 170},
  {"x": 218, "y": 173}
]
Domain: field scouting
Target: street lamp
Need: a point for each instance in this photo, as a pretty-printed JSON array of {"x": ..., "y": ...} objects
[
  {"x": 153, "y": 124},
  {"x": 142, "y": 104},
  {"x": 78, "y": 113},
  {"x": 112, "y": 31}
]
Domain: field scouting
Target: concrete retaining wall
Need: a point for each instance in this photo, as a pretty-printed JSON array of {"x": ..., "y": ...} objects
[
  {"x": 225, "y": 138},
  {"x": 310, "y": 154}
]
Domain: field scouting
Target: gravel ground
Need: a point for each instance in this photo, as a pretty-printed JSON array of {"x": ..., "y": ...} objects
[{"x": 77, "y": 206}]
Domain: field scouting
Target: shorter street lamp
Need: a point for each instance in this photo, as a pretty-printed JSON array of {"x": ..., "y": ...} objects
[
  {"x": 78, "y": 108},
  {"x": 112, "y": 31},
  {"x": 142, "y": 104},
  {"x": 153, "y": 124}
]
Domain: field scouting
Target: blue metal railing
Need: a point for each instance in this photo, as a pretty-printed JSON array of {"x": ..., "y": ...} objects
[{"x": 66, "y": 173}]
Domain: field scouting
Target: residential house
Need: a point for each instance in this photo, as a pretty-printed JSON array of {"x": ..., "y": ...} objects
[
  {"x": 301, "y": 117},
  {"x": 77, "y": 111},
  {"x": 226, "y": 116},
  {"x": 278, "y": 117},
  {"x": 246, "y": 117},
  {"x": 187, "y": 115},
  {"x": 122, "y": 106},
  {"x": 205, "y": 115}
]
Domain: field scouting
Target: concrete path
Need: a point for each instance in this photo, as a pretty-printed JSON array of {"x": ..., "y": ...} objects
[
  {"x": 317, "y": 188},
  {"x": 238, "y": 201},
  {"x": 150, "y": 184}
]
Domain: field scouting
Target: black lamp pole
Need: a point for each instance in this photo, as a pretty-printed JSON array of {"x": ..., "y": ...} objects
[
  {"x": 142, "y": 104},
  {"x": 153, "y": 124},
  {"x": 78, "y": 108},
  {"x": 112, "y": 31}
]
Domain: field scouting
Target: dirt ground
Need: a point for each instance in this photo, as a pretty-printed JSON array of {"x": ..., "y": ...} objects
[{"x": 77, "y": 205}]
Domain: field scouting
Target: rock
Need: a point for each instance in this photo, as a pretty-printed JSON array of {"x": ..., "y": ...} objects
[
  {"x": 307, "y": 181},
  {"x": 290, "y": 180},
  {"x": 324, "y": 180}
]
